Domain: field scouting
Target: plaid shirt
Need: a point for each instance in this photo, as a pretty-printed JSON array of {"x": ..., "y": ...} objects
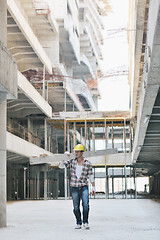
[{"x": 86, "y": 172}]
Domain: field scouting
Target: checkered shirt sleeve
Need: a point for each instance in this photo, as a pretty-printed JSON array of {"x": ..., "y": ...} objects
[{"x": 86, "y": 172}]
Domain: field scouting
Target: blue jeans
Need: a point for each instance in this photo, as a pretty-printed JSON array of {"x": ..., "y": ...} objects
[{"x": 79, "y": 193}]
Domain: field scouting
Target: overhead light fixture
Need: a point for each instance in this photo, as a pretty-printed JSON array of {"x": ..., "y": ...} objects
[{"x": 146, "y": 118}]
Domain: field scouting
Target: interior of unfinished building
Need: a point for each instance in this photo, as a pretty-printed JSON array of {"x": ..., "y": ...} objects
[{"x": 50, "y": 53}]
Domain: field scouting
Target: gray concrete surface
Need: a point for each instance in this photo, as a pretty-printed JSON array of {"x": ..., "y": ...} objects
[{"x": 109, "y": 219}]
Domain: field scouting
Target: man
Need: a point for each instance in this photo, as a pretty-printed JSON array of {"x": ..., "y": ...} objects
[{"x": 81, "y": 170}]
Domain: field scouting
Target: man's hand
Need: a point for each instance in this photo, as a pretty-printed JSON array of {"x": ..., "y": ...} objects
[
  {"x": 68, "y": 153},
  {"x": 61, "y": 165},
  {"x": 93, "y": 190}
]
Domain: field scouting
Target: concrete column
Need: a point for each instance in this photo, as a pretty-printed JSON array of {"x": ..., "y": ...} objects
[
  {"x": 31, "y": 183},
  {"x": 3, "y": 170},
  {"x": 105, "y": 134},
  {"x": 28, "y": 182},
  {"x": 65, "y": 183},
  {"x": 124, "y": 136},
  {"x": 68, "y": 138},
  {"x": 45, "y": 134},
  {"x": 56, "y": 142},
  {"x": 130, "y": 138},
  {"x": 107, "y": 183},
  {"x": 93, "y": 135},
  {"x": 113, "y": 182},
  {"x": 74, "y": 136},
  {"x": 44, "y": 83},
  {"x": 112, "y": 135},
  {"x": 30, "y": 130},
  {"x": 3, "y": 21},
  {"x": 85, "y": 132},
  {"x": 25, "y": 183},
  {"x": 38, "y": 183},
  {"x": 65, "y": 123},
  {"x": 9, "y": 183},
  {"x": 122, "y": 184},
  {"x": 135, "y": 183},
  {"x": 125, "y": 174},
  {"x": 45, "y": 185},
  {"x": 72, "y": 145}
]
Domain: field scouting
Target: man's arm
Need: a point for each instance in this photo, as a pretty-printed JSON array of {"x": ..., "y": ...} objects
[
  {"x": 65, "y": 164},
  {"x": 91, "y": 177}
]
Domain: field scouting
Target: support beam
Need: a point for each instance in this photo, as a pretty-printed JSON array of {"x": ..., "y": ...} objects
[
  {"x": 3, "y": 221},
  {"x": 55, "y": 158},
  {"x": 29, "y": 34}
]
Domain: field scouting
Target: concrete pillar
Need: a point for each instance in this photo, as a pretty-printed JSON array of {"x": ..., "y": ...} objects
[
  {"x": 93, "y": 135},
  {"x": 3, "y": 222},
  {"x": 130, "y": 138},
  {"x": 74, "y": 136},
  {"x": 85, "y": 132},
  {"x": 135, "y": 183},
  {"x": 38, "y": 183},
  {"x": 65, "y": 123},
  {"x": 31, "y": 183},
  {"x": 9, "y": 183},
  {"x": 30, "y": 130},
  {"x": 112, "y": 135},
  {"x": 25, "y": 183},
  {"x": 125, "y": 174},
  {"x": 105, "y": 134},
  {"x": 122, "y": 184},
  {"x": 56, "y": 142},
  {"x": 113, "y": 182},
  {"x": 72, "y": 145},
  {"x": 68, "y": 138},
  {"x": 44, "y": 83},
  {"x": 45, "y": 185},
  {"x": 107, "y": 183},
  {"x": 45, "y": 134},
  {"x": 65, "y": 183},
  {"x": 124, "y": 136},
  {"x": 3, "y": 39},
  {"x": 3, "y": 21},
  {"x": 28, "y": 182}
]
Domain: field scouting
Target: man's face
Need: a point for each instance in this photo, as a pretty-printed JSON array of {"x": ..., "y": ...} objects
[{"x": 78, "y": 154}]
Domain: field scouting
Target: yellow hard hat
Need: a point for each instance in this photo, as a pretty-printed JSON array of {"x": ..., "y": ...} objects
[{"x": 79, "y": 147}]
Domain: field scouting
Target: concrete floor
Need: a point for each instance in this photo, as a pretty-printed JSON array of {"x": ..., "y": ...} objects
[{"x": 109, "y": 219}]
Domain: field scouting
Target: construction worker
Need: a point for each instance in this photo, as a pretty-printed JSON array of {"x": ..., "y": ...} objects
[{"x": 81, "y": 170}]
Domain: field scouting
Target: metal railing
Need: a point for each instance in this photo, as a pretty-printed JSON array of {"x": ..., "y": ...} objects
[{"x": 22, "y": 132}]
